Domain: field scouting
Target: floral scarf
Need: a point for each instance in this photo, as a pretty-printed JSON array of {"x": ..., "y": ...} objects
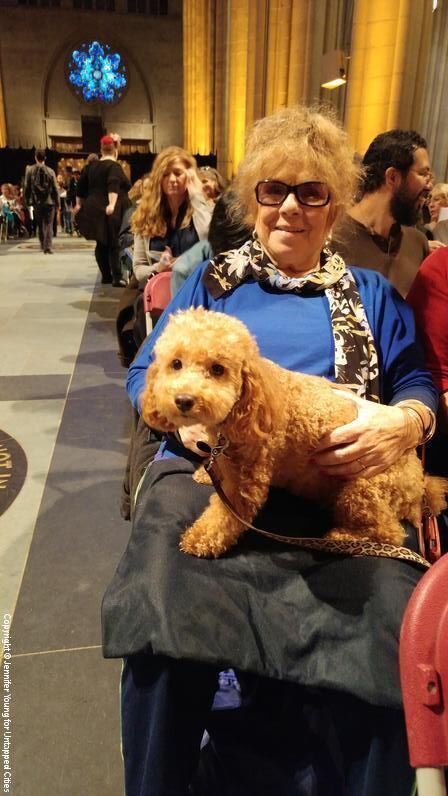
[{"x": 356, "y": 358}]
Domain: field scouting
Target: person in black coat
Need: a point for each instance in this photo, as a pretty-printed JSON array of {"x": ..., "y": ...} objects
[{"x": 101, "y": 200}]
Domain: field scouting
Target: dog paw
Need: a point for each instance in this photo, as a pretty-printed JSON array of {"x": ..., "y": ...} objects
[
  {"x": 201, "y": 547},
  {"x": 201, "y": 541},
  {"x": 201, "y": 476}
]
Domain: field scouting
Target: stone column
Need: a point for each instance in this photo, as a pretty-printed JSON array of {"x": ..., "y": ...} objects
[
  {"x": 3, "y": 131},
  {"x": 387, "y": 50},
  {"x": 198, "y": 66}
]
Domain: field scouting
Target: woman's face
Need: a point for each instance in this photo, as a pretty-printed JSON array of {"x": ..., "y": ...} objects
[
  {"x": 174, "y": 180},
  {"x": 294, "y": 234},
  {"x": 436, "y": 201},
  {"x": 209, "y": 185}
]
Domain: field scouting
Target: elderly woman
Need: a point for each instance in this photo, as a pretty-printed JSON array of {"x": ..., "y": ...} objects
[
  {"x": 437, "y": 200},
  {"x": 317, "y": 633},
  {"x": 101, "y": 201},
  {"x": 172, "y": 215}
]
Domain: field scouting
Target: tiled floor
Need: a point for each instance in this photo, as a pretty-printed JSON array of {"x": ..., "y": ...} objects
[{"x": 62, "y": 400}]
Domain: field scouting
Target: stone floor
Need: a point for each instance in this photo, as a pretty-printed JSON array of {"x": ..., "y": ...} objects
[{"x": 64, "y": 422}]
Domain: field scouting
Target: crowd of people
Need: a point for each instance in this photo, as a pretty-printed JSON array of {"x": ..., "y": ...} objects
[
  {"x": 21, "y": 210},
  {"x": 273, "y": 669}
]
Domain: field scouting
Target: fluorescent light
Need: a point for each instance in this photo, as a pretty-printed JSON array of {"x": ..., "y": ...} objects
[
  {"x": 338, "y": 81},
  {"x": 332, "y": 72}
]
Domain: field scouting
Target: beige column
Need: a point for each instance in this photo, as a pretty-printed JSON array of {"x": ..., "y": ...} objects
[
  {"x": 288, "y": 52},
  {"x": 300, "y": 51},
  {"x": 197, "y": 61},
  {"x": 278, "y": 53},
  {"x": 242, "y": 59},
  {"x": 3, "y": 132},
  {"x": 386, "y": 41},
  {"x": 238, "y": 26}
]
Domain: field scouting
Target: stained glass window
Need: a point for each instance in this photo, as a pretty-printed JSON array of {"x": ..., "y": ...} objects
[{"x": 96, "y": 73}]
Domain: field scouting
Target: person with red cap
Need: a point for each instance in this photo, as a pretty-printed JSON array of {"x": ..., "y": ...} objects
[{"x": 101, "y": 200}]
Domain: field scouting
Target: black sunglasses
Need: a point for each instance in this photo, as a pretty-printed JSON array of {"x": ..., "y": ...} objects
[{"x": 311, "y": 194}]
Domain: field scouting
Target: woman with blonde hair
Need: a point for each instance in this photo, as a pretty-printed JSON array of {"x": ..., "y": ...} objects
[
  {"x": 172, "y": 215},
  {"x": 313, "y": 636}
]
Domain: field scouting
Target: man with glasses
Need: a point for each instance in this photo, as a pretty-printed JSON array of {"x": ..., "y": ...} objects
[{"x": 379, "y": 231}]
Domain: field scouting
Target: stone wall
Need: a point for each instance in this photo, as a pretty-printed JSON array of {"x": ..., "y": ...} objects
[{"x": 34, "y": 45}]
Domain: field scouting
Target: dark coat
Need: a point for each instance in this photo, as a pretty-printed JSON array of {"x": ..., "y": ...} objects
[{"x": 97, "y": 180}]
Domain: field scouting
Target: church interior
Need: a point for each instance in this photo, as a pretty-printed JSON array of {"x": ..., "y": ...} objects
[{"x": 157, "y": 73}]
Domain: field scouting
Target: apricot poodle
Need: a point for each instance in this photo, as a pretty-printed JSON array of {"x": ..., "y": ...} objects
[{"x": 208, "y": 370}]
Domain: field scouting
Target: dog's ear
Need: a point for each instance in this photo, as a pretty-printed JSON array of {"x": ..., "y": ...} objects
[
  {"x": 150, "y": 412},
  {"x": 252, "y": 415}
]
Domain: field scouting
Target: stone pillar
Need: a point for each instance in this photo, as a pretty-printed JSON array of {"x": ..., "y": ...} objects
[
  {"x": 242, "y": 59},
  {"x": 3, "y": 132},
  {"x": 385, "y": 54},
  {"x": 238, "y": 27},
  {"x": 198, "y": 66}
]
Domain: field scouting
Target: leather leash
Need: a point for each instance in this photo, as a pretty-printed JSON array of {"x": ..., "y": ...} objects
[{"x": 333, "y": 546}]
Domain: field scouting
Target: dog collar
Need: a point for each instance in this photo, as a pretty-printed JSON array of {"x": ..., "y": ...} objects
[{"x": 215, "y": 451}]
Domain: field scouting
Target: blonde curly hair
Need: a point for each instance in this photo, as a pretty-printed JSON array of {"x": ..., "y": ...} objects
[
  {"x": 152, "y": 216},
  {"x": 295, "y": 139}
]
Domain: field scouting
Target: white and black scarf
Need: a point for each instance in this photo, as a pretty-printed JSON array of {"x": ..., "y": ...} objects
[{"x": 356, "y": 358}]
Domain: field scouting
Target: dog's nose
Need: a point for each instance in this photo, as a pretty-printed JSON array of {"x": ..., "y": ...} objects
[{"x": 184, "y": 402}]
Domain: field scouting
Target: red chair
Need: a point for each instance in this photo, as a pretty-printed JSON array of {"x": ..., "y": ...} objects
[
  {"x": 156, "y": 296},
  {"x": 424, "y": 678}
]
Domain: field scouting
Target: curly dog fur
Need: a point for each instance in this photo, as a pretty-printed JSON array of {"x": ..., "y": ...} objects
[{"x": 208, "y": 370}]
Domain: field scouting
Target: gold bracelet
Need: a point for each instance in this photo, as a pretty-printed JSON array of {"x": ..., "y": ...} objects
[{"x": 414, "y": 409}]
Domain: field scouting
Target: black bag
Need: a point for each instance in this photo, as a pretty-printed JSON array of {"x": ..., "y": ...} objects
[
  {"x": 42, "y": 186},
  {"x": 124, "y": 323}
]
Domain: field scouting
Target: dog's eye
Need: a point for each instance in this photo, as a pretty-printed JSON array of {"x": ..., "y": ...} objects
[
  {"x": 216, "y": 369},
  {"x": 176, "y": 364}
]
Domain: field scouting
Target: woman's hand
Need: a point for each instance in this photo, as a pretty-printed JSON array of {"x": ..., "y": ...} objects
[
  {"x": 110, "y": 210},
  {"x": 369, "y": 444},
  {"x": 190, "y": 435},
  {"x": 435, "y": 244},
  {"x": 166, "y": 261},
  {"x": 193, "y": 183}
]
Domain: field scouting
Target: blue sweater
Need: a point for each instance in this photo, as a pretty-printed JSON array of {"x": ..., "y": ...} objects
[{"x": 295, "y": 332}]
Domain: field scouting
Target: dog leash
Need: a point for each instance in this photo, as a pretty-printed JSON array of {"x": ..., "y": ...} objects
[{"x": 333, "y": 546}]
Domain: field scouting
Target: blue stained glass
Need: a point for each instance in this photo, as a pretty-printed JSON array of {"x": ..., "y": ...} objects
[{"x": 96, "y": 73}]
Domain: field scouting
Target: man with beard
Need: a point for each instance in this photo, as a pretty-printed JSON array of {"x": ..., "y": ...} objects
[{"x": 379, "y": 231}]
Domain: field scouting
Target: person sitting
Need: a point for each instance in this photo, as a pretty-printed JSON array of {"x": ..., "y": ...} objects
[
  {"x": 213, "y": 184},
  {"x": 318, "y": 633},
  {"x": 227, "y": 231},
  {"x": 437, "y": 199},
  {"x": 428, "y": 298},
  {"x": 379, "y": 230},
  {"x": 10, "y": 210},
  {"x": 172, "y": 216}
]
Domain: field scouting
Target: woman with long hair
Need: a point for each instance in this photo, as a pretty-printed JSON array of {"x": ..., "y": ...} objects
[{"x": 172, "y": 215}]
